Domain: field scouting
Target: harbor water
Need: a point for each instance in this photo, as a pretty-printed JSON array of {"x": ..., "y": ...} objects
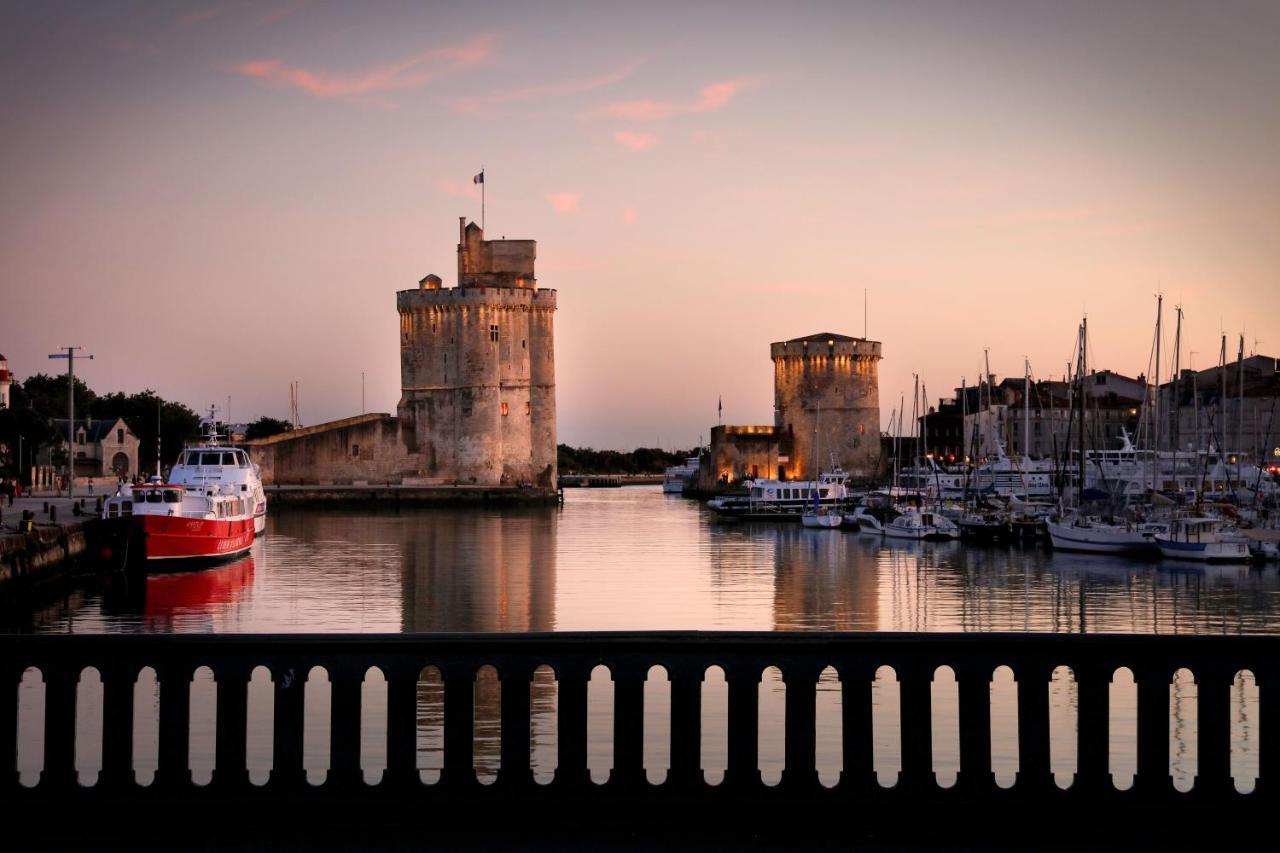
[{"x": 635, "y": 559}]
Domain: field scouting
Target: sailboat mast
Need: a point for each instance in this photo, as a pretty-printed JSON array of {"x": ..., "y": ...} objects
[
  {"x": 1026, "y": 408},
  {"x": 1240, "y": 415},
  {"x": 1084, "y": 409},
  {"x": 1155, "y": 412},
  {"x": 1175, "y": 386}
]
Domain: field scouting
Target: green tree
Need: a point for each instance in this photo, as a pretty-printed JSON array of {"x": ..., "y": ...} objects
[
  {"x": 47, "y": 395},
  {"x": 21, "y": 429},
  {"x": 265, "y": 426}
]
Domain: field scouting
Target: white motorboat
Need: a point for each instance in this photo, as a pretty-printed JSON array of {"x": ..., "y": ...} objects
[
  {"x": 218, "y": 469},
  {"x": 678, "y": 477},
  {"x": 1089, "y": 535},
  {"x": 1202, "y": 538},
  {"x": 784, "y": 500},
  {"x": 921, "y": 524},
  {"x": 828, "y": 518}
]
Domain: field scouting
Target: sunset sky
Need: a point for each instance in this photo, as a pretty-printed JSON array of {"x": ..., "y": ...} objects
[{"x": 219, "y": 198}]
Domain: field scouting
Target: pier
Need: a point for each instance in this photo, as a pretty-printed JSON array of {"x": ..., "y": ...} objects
[{"x": 1035, "y": 807}]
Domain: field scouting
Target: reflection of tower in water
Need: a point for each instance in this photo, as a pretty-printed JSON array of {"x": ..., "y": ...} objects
[
  {"x": 479, "y": 572},
  {"x": 823, "y": 581}
]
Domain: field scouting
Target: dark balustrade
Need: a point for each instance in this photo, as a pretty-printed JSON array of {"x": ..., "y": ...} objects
[{"x": 801, "y": 658}]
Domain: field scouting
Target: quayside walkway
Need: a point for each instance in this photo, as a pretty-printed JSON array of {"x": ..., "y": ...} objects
[{"x": 1034, "y": 806}]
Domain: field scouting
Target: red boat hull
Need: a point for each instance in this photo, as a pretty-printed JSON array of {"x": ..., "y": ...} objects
[{"x": 177, "y": 538}]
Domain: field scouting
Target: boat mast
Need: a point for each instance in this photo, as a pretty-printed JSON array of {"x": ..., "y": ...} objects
[
  {"x": 1156, "y": 411},
  {"x": 1026, "y": 408},
  {"x": 1175, "y": 386},
  {"x": 1240, "y": 415},
  {"x": 1084, "y": 409}
]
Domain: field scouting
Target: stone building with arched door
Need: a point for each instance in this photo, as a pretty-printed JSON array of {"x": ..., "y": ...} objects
[{"x": 105, "y": 447}]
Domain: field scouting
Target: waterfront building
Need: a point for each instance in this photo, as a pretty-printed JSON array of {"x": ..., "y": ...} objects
[
  {"x": 105, "y": 447},
  {"x": 477, "y": 367},
  {"x": 826, "y": 389},
  {"x": 477, "y": 400}
]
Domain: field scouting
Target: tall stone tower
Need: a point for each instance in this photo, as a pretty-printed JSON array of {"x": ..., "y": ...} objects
[
  {"x": 826, "y": 388},
  {"x": 477, "y": 368}
]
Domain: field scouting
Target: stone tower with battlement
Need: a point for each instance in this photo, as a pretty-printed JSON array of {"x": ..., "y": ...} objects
[
  {"x": 477, "y": 368},
  {"x": 827, "y": 390}
]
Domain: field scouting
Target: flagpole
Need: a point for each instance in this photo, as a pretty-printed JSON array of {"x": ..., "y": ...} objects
[{"x": 482, "y": 198}]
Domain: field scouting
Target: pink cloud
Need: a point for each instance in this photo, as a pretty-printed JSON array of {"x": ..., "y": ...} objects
[
  {"x": 628, "y": 216},
  {"x": 282, "y": 12},
  {"x": 711, "y": 98},
  {"x": 407, "y": 74},
  {"x": 566, "y": 202},
  {"x": 457, "y": 189},
  {"x": 635, "y": 141},
  {"x": 481, "y": 103},
  {"x": 198, "y": 16}
]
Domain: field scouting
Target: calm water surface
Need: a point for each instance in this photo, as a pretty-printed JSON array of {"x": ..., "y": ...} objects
[{"x": 635, "y": 559}]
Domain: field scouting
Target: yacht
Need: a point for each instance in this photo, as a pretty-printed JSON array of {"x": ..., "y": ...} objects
[
  {"x": 922, "y": 524},
  {"x": 1094, "y": 536},
  {"x": 784, "y": 500},
  {"x": 1203, "y": 539},
  {"x": 678, "y": 477}
]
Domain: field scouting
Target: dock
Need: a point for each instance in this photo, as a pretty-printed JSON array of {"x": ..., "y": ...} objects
[{"x": 48, "y": 543}]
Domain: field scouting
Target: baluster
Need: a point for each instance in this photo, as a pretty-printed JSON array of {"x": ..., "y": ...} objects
[
  {"x": 459, "y": 725},
  {"x": 1153, "y": 779},
  {"x": 1034, "y": 775},
  {"x": 1093, "y": 731},
  {"x": 402, "y": 726},
  {"x": 60, "y": 681},
  {"x": 175, "y": 725},
  {"x": 344, "y": 725},
  {"x": 287, "y": 768},
  {"x": 517, "y": 681},
  {"x": 686, "y": 723},
  {"x": 628, "y": 724},
  {"x": 974, "y": 690},
  {"x": 230, "y": 768},
  {"x": 743, "y": 767},
  {"x": 801, "y": 741},
  {"x": 1213, "y": 744},
  {"x": 571, "y": 724},
  {"x": 857, "y": 742},
  {"x": 118, "y": 684},
  {"x": 916, "y": 726}
]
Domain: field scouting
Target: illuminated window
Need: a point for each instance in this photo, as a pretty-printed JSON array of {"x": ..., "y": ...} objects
[
  {"x": 493, "y": 332},
  {"x": 526, "y": 407},
  {"x": 504, "y": 410},
  {"x": 862, "y": 429}
]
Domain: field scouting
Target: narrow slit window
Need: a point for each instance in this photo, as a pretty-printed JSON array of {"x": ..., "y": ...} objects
[
  {"x": 493, "y": 332},
  {"x": 504, "y": 410}
]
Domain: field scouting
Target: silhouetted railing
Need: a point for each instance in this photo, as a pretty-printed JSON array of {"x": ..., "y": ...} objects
[{"x": 1093, "y": 660}]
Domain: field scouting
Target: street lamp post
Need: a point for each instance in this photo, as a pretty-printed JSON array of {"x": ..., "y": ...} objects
[{"x": 70, "y": 356}]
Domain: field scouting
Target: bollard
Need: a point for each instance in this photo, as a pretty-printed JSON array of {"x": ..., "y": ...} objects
[
  {"x": 46, "y": 508},
  {"x": 53, "y": 513},
  {"x": 97, "y": 506}
]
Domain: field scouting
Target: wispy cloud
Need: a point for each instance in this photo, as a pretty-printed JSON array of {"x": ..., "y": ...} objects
[
  {"x": 710, "y": 98},
  {"x": 485, "y": 102},
  {"x": 565, "y": 202},
  {"x": 281, "y": 12},
  {"x": 190, "y": 19},
  {"x": 407, "y": 74},
  {"x": 457, "y": 189},
  {"x": 635, "y": 141}
]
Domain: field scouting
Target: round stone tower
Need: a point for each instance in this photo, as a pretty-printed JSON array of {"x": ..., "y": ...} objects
[
  {"x": 477, "y": 368},
  {"x": 827, "y": 399}
]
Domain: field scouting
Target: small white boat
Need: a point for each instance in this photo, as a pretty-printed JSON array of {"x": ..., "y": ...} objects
[
  {"x": 922, "y": 524},
  {"x": 829, "y": 518},
  {"x": 1096, "y": 537},
  {"x": 1202, "y": 539},
  {"x": 678, "y": 477}
]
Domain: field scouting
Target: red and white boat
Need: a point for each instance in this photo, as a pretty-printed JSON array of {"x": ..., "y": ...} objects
[
  {"x": 212, "y": 507},
  {"x": 182, "y": 523}
]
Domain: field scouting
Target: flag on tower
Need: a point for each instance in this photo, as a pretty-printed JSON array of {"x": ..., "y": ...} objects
[
  {"x": 720, "y": 408},
  {"x": 478, "y": 179}
]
